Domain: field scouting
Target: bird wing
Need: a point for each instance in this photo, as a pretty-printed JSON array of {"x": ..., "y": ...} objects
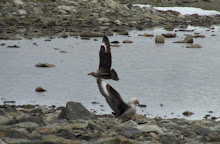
[
  {"x": 112, "y": 97},
  {"x": 105, "y": 58}
]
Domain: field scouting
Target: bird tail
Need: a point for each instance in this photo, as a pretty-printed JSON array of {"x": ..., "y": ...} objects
[{"x": 114, "y": 75}]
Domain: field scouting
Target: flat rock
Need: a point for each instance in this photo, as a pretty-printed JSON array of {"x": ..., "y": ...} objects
[
  {"x": 169, "y": 35},
  {"x": 146, "y": 35},
  {"x": 150, "y": 128},
  {"x": 127, "y": 41},
  {"x": 194, "y": 46},
  {"x": 74, "y": 111},
  {"x": 44, "y": 65},
  {"x": 13, "y": 46}
]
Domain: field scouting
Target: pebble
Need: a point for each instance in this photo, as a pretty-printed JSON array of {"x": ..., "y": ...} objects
[{"x": 19, "y": 126}]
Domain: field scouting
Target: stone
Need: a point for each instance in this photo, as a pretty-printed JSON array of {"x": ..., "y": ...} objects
[
  {"x": 188, "y": 39},
  {"x": 44, "y": 65},
  {"x": 198, "y": 36},
  {"x": 130, "y": 131},
  {"x": 38, "y": 11},
  {"x": 6, "y": 108},
  {"x": 146, "y": 35},
  {"x": 18, "y": 2},
  {"x": 91, "y": 34},
  {"x": 11, "y": 133},
  {"x": 22, "y": 12},
  {"x": 168, "y": 139},
  {"x": 128, "y": 124},
  {"x": 74, "y": 111},
  {"x": 194, "y": 46},
  {"x": 150, "y": 128},
  {"x": 169, "y": 35},
  {"x": 159, "y": 39},
  {"x": 40, "y": 89},
  {"x": 114, "y": 140},
  {"x": 30, "y": 125},
  {"x": 13, "y": 46},
  {"x": 127, "y": 41},
  {"x": 187, "y": 113},
  {"x": 3, "y": 120},
  {"x": 58, "y": 140},
  {"x": 202, "y": 131}
]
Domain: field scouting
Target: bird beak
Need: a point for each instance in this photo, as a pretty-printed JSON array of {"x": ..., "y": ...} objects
[{"x": 89, "y": 74}]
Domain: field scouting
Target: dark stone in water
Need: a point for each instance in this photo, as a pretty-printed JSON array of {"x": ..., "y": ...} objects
[
  {"x": 14, "y": 46},
  {"x": 74, "y": 111},
  {"x": 40, "y": 89},
  {"x": 115, "y": 41},
  {"x": 44, "y": 65},
  {"x": 187, "y": 113}
]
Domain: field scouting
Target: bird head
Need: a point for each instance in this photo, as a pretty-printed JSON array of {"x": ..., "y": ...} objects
[{"x": 134, "y": 101}]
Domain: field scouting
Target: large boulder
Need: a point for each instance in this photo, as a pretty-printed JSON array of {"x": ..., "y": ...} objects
[{"x": 74, "y": 111}]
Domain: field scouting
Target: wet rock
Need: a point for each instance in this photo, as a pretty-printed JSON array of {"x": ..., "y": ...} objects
[
  {"x": 127, "y": 41},
  {"x": 116, "y": 42},
  {"x": 74, "y": 111},
  {"x": 194, "y": 46},
  {"x": 169, "y": 35},
  {"x": 63, "y": 52},
  {"x": 146, "y": 35},
  {"x": 40, "y": 89},
  {"x": 13, "y": 46},
  {"x": 187, "y": 113},
  {"x": 44, "y": 65},
  {"x": 188, "y": 39},
  {"x": 159, "y": 39},
  {"x": 115, "y": 45},
  {"x": 198, "y": 36}
]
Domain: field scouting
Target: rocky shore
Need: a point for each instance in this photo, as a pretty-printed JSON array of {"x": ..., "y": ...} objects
[
  {"x": 88, "y": 18},
  {"x": 30, "y": 124}
]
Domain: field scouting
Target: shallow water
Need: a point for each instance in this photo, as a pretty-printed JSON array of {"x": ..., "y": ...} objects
[{"x": 179, "y": 78}]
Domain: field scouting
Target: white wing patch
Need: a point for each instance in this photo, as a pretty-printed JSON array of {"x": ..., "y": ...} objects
[
  {"x": 103, "y": 44},
  {"x": 104, "y": 87}
]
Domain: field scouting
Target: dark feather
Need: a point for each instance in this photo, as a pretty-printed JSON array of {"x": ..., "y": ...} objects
[
  {"x": 113, "y": 98},
  {"x": 105, "y": 59}
]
